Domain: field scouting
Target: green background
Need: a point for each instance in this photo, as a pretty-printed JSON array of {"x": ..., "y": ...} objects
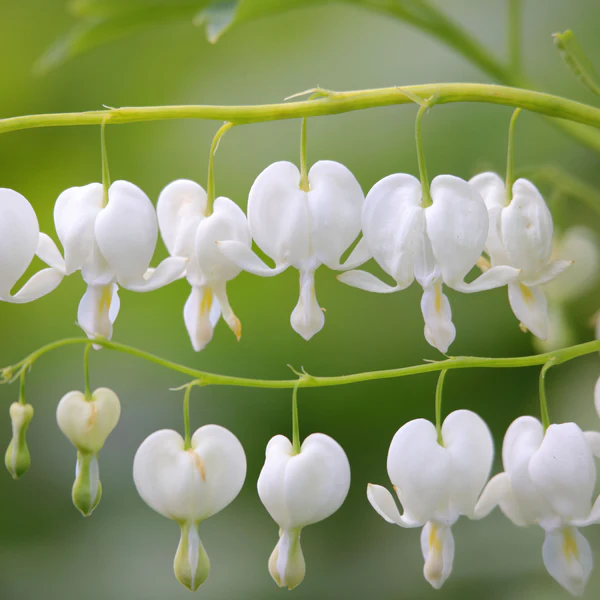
[{"x": 125, "y": 551}]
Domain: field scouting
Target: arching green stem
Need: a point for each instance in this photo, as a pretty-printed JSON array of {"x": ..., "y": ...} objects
[
  {"x": 543, "y": 402},
  {"x": 510, "y": 161},
  {"x": 105, "y": 170},
  {"x": 438, "y": 406},
  {"x": 421, "y": 158},
  {"x": 304, "y": 185},
  {"x": 10, "y": 373},
  {"x": 187, "y": 440},
  {"x": 295, "y": 421},
  {"x": 335, "y": 103},
  {"x": 86, "y": 372},
  {"x": 210, "y": 182}
]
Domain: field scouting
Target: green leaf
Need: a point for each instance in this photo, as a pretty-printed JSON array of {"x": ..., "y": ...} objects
[
  {"x": 108, "y": 8},
  {"x": 97, "y": 31},
  {"x": 221, "y": 15},
  {"x": 574, "y": 57}
]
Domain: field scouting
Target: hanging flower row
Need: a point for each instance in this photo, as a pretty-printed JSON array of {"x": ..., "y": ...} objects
[{"x": 111, "y": 237}]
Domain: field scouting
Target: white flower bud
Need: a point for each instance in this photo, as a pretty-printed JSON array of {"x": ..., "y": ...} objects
[
  {"x": 298, "y": 490},
  {"x": 17, "y": 457},
  {"x": 87, "y": 424},
  {"x": 189, "y": 486}
]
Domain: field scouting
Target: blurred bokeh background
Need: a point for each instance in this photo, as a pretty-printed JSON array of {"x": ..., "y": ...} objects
[{"x": 125, "y": 551}]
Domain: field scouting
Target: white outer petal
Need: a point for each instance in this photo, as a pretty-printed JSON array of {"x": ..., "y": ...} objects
[
  {"x": 469, "y": 442},
  {"x": 19, "y": 234},
  {"x": 227, "y": 222},
  {"x": 393, "y": 225},
  {"x": 523, "y": 438},
  {"x": 527, "y": 229},
  {"x": 366, "y": 281},
  {"x": 493, "y": 191},
  {"x": 278, "y": 214},
  {"x": 563, "y": 471},
  {"x": 180, "y": 203},
  {"x": 75, "y": 213},
  {"x": 421, "y": 470},
  {"x": 189, "y": 485},
  {"x": 48, "y": 252},
  {"x": 457, "y": 226},
  {"x": 306, "y": 488},
  {"x": 40, "y": 284},
  {"x": 126, "y": 232},
  {"x": 335, "y": 203}
]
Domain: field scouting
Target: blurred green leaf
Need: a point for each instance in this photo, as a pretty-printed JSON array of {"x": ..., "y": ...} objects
[
  {"x": 574, "y": 57},
  {"x": 105, "y": 8},
  {"x": 97, "y": 31}
]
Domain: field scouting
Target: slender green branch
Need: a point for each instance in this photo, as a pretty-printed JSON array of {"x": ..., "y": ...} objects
[
  {"x": 438, "y": 406},
  {"x": 22, "y": 387},
  {"x": 542, "y": 390},
  {"x": 8, "y": 374},
  {"x": 421, "y": 158},
  {"x": 105, "y": 169},
  {"x": 334, "y": 103},
  {"x": 187, "y": 440},
  {"x": 304, "y": 185},
  {"x": 295, "y": 421},
  {"x": 510, "y": 155},
  {"x": 210, "y": 182}
]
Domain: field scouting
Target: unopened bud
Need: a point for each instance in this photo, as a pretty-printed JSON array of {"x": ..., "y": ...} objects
[
  {"x": 17, "y": 458},
  {"x": 87, "y": 489},
  {"x": 286, "y": 564},
  {"x": 191, "y": 564}
]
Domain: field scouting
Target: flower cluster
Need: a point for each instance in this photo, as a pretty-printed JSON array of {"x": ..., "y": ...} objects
[
  {"x": 548, "y": 480},
  {"x": 438, "y": 473},
  {"x": 437, "y": 238}
]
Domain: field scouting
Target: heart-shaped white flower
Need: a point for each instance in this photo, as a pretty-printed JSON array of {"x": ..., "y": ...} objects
[
  {"x": 298, "y": 490},
  {"x": 87, "y": 423},
  {"x": 189, "y": 486}
]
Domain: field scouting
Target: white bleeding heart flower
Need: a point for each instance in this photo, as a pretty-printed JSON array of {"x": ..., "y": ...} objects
[
  {"x": 20, "y": 241},
  {"x": 548, "y": 480},
  {"x": 302, "y": 229},
  {"x": 299, "y": 490},
  {"x": 111, "y": 245},
  {"x": 520, "y": 235},
  {"x": 189, "y": 232},
  {"x": 189, "y": 486},
  {"x": 435, "y": 245},
  {"x": 87, "y": 422},
  {"x": 436, "y": 483}
]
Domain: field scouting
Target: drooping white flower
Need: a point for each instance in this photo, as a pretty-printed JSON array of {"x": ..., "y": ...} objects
[
  {"x": 190, "y": 486},
  {"x": 112, "y": 245},
  {"x": 299, "y": 490},
  {"x": 520, "y": 235},
  {"x": 549, "y": 480},
  {"x": 87, "y": 422},
  {"x": 435, "y": 245},
  {"x": 301, "y": 229},
  {"x": 189, "y": 232},
  {"x": 436, "y": 483},
  {"x": 20, "y": 241}
]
